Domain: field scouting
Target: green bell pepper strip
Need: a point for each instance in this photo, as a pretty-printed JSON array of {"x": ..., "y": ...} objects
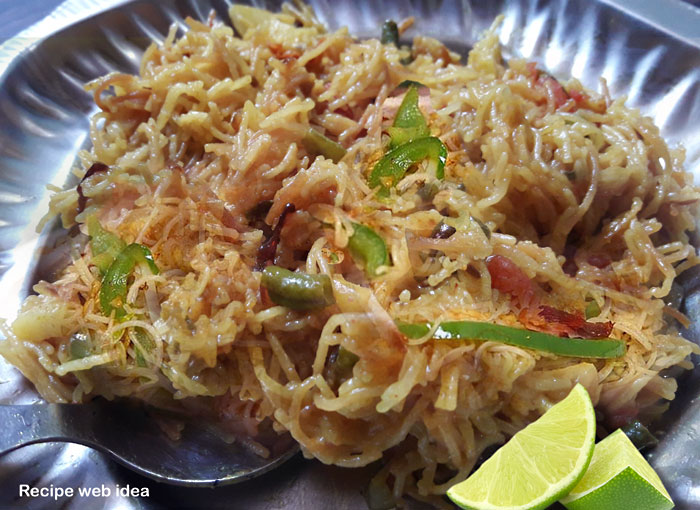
[
  {"x": 114, "y": 283},
  {"x": 393, "y": 166},
  {"x": 298, "y": 291},
  {"x": 485, "y": 331},
  {"x": 409, "y": 122},
  {"x": 317, "y": 144},
  {"x": 368, "y": 248},
  {"x": 105, "y": 246}
]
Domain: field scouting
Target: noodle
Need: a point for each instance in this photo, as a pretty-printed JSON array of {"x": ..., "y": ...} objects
[{"x": 204, "y": 151}]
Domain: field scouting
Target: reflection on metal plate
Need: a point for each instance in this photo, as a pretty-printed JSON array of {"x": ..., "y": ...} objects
[{"x": 44, "y": 121}]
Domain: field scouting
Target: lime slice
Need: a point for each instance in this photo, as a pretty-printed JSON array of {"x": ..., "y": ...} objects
[
  {"x": 539, "y": 464},
  {"x": 618, "y": 478}
]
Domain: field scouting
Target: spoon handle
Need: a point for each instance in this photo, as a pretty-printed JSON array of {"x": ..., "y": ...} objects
[{"x": 27, "y": 424}]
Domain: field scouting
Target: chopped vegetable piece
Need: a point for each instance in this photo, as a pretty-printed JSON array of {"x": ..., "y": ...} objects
[
  {"x": 146, "y": 342},
  {"x": 565, "y": 323},
  {"x": 428, "y": 191},
  {"x": 318, "y": 144},
  {"x": 256, "y": 217},
  {"x": 409, "y": 122},
  {"x": 390, "y": 33},
  {"x": 484, "y": 227},
  {"x": 339, "y": 365},
  {"x": 592, "y": 309},
  {"x": 410, "y": 83},
  {"x": 105, "y": 246},
  {"x": 268, "y": 249},
  {"x": 94, "y": 168},
  {"x": 79, "y": 346},
  {"x": 443, "y": 231},
  {"x": 298, "y": 291},
  {"x": 506, "y": 276},
  {"x": 368, "y": 248},
  {"x": 393, "y": 166},
  {"x": 345, "y": 359},
  {"x": 485, "y": 331},
  {"x": 114, "y": 283},
  {"x": 639, "y": 435}
]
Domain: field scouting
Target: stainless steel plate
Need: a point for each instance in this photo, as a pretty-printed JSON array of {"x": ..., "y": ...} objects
[{"x": 649, "y": 51}]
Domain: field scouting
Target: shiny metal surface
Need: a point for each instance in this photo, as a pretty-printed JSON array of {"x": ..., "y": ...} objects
[
  {"x": 649, "y": 51},
  {"x": 197, "y": 458}
]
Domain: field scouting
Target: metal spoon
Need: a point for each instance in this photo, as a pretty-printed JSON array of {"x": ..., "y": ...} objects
[{"x": 129, "y": 432}]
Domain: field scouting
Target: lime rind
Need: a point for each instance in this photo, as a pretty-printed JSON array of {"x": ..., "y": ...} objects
[
  {"x": 533, "y": 470},
  {"x": 627, "y": 490},
  {"x": 618, "y": 477}
]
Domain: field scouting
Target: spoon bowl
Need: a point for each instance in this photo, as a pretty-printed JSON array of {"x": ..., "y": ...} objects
[{"x": 133, "y": 434}]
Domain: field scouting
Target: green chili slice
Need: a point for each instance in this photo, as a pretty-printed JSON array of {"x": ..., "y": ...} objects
[
  {"x": 390, "y": 33},
  {"x": 368, "y": 248},
  {"x": 485, "y": 331},
  {"x": 105, "y": 246},
  {"x": 393, "y": 166},
  {"x": 298, "y": 291},
  {"x": 114, "y": 283},
  {"x": 317, "y": 144},
  {"x": 409, "y": 122}
]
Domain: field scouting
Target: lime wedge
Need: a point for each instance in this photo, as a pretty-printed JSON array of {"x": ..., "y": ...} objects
[
  {"x": 618, "y": 478},
  {"x": 539, "y": 464}
]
